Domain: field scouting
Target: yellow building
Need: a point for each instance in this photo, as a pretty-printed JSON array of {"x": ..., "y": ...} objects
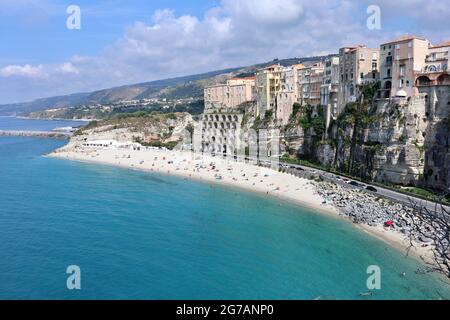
[{"x": 268, "y": 85}]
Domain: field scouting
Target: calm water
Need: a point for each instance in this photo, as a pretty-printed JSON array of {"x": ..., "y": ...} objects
[
  {"x": 146, "y": 236},
  {"x": 11, "y": 123}
]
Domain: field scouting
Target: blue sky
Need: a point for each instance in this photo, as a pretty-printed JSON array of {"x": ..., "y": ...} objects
[
  {"x": 37, "y": 33},
  {"x": 124, "y": 42}
]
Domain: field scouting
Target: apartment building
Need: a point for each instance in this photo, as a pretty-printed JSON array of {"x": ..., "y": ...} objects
[
  {"x": 267, "y": 87},
  {"x": 309, "y": 83},
  {"x": 330, "y": 88},
  {"x": 437, "y": 68},
  {"x": 400, "y": 60},
  {"x": 288, "y": 93},
  {"x": 358, "y": 65},
  {"x": 230, "y": 95},
  {"x": 411, "y": 62}
]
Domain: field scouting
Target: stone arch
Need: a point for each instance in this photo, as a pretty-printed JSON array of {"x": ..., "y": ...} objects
[
  {"x": 423, "y": 81},
  {"x": 443, "y": 79}
]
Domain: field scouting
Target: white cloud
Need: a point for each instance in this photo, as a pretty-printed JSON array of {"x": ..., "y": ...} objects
[
  {"x": 68, "y": 67},
  {"x": 26, "y": 71}
]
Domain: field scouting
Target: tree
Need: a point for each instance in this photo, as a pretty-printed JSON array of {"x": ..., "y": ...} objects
[
  {"x": 190, "y": 129},
  {"x": 433, "y": 225}
]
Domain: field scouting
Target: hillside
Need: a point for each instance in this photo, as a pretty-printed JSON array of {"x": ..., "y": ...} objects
[{"x": 175, "y": 88}]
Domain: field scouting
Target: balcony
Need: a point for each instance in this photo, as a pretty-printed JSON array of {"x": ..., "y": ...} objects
[{"x": 434, "y": 68}]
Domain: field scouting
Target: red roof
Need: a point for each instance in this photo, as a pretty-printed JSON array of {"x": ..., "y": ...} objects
[
  {"x": 405, "y": 38},
  {"x": 443, "y": 44}
]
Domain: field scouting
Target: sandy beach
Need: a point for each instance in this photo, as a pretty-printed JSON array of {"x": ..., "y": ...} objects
[{"x": 208, "y": 169}]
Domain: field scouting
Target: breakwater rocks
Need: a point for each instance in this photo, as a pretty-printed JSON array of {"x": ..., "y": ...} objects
[
  {"x": 42, "y": 134},
  {"x": 362, "y": 207}
]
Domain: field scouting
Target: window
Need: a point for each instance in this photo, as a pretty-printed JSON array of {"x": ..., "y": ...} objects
[
  {"x": 397, "y": 46},
  {"x": 389, "y": 73},
  {"x": 374, "y": 66},
  {"x": 402, "y": 70},
  {"x": 362, "y": 75}
]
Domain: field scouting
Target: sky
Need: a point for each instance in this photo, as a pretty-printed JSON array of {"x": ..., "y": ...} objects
[{"x": 124, "y": 42}]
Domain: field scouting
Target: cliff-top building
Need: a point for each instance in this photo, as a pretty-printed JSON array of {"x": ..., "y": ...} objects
[
  {"x": 230, "y": 95},
  {"x": 288, "y": 93},
  {"x": 358, "y": 65},
  {"x": 437, "y": 68},
  {"x": 400, "y": 60},
  {"x": 330, "y": 88},
  {"x": 267, "y": 87},
  {"x": 410, "y": 62},
  {"x": 309, "y": 83}
]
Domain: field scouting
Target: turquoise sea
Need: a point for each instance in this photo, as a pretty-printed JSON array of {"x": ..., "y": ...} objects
[
  {"x": 12, "y": 123},
  {"x": 138, "y": 235}
]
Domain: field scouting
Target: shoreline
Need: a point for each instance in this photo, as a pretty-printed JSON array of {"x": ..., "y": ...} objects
[
  {"x": 264, "y": 181},
  {"x": 38, "y": 134},
  {"x": 53, "y": 119}
]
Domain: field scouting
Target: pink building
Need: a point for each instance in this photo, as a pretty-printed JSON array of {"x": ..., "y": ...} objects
[
  {"x": 410, "y": 62},
  {"x": 401, "y": 59},
  {"x": 230, "y": 95},
  {"x": 288, "y": 93},
  {"x": 437, "y": 67}
]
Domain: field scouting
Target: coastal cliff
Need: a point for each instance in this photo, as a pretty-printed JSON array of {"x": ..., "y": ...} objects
[
  {"x": 400, "y": 141},
  {"x": 152, "y": 129}
]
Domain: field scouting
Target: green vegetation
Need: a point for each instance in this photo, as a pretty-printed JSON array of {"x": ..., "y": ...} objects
[
  {"x": 424, "y": 194},
  {"x": 268, "y": 114},
  {"x": 139, "y": 121},
  {"x": 296, "y": 109},
  {"x": 194, "y": 107},
  {"x": 306, "y": 163},
  {"x": 419, "y": 191},
  {"x": 183, "y": 91},
  {"x": 157, "y": 143}
]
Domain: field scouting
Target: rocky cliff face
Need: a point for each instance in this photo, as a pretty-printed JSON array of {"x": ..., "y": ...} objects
[
  {"x": 437, "y": 139},
  {"x": 165, "y": 128},
  {"x": 396, "y": 142}
]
